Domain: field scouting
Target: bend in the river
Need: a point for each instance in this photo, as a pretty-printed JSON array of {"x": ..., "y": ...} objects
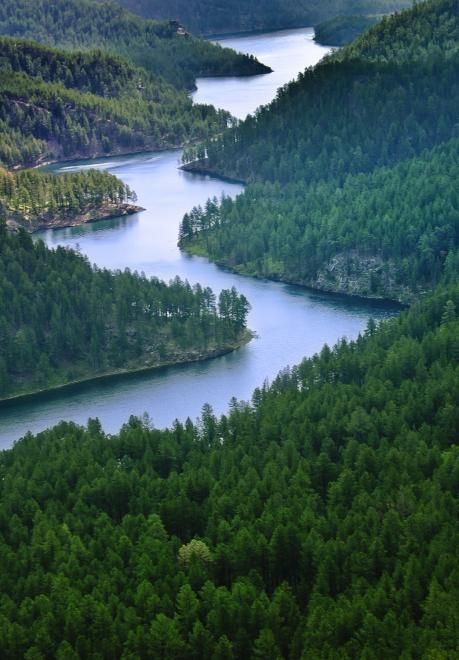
[{"x": 290, "y": 322}]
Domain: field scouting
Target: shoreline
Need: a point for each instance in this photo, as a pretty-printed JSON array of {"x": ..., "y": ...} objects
[
  {"x": 102, "y": 213},
  {"x": 243, "y": 33},
  {"x": 203, "y": 171},
  {"x": 96, "y": 156},
  {"x": 284, "y": 280},
  {"x": 122, "y": 374}
]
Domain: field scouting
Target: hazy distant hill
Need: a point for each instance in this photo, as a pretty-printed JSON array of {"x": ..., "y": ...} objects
[
  {"x": 218, "y": 17},
  {"x": 158, "y": 47}
]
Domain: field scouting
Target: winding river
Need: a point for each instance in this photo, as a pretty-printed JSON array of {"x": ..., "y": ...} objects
[{"x": 290, "y": 322}]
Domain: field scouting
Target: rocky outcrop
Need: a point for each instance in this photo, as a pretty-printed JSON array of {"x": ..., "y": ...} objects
[
  {"x": 48, "y": 221},
  {"x": 357, "y": 274}
]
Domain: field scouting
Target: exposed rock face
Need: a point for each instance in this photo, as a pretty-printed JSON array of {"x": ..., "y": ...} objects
[
  {"x": 362, "y": 275},
  {"x": 49, "y": 221}
]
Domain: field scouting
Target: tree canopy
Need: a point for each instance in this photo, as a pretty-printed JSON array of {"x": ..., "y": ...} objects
[
  {"x": 155, "y": 46},
  {"x": 351, "y": 169},
  {"x": 35, "y": 199},
  {"x": 62, "y": 320},
  {"x": 56, "y": 105},
  {"x": 318, "y": 520}
]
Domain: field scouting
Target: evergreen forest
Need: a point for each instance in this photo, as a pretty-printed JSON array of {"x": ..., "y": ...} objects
[
  {"x": 62, "y": 320},
  {"x": 211, "y": 17},
  {"x": 103, "y": 81},
  {"x": 34, "y": 199},
  {"x": 390, "y": 233},
  {"x": 317, "y": 521},
  {"x": 333, "y": 161},
  {"x": 155, "y": 46},
  {"x": 57, "y": 105},
  {"x": 319, "y": 518}
]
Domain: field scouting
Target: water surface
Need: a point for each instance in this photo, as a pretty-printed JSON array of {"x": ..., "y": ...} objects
[
  {"x": 287, "y": 52},
  {"x": 290, "y": 322}
]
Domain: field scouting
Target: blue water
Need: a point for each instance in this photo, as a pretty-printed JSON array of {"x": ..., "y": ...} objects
[{"x": 290, "y": 322}]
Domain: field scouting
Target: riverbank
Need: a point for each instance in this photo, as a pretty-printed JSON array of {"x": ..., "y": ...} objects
[
  {"x": 187, "y": 357},
  {"x": 94, "y": 214},
  {"x": 345, "y": 286}
]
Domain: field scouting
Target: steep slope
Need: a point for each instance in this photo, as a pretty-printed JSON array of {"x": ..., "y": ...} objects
[
  {"x": 388, "y": 233},
  {"x": 55, "y": 105},
  {"x": 157, "y": 47},
  {"x": 353, "y": 123},
  {"x": 319, "y": 521},
  {"x": 213, "y": 17},
  {"x": 428, "y": 31}
]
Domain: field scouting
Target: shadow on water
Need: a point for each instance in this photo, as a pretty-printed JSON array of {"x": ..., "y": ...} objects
[{"x": 110, "y": 224}]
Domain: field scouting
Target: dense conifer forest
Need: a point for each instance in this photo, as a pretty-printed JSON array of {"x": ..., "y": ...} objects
[
  {"x": 56, "y": 105},
  {"x": 317, "y": 521},
  {"x": 320, "y": 518},
  {"x": 34, "y": 199},
  {"x": 153, "y": 45},
  {"x": 212, "y": 17},
  {"x": 338, "y": 147},
  {"x": 388, "y": 233},
  {"x": 126, "y": 92},
  {"x": 62, "y": 320}
]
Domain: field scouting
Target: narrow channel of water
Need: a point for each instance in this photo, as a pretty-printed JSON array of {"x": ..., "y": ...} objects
[
  {"x": 290, "y": 322},
  {"x": 287, "y": 52}
]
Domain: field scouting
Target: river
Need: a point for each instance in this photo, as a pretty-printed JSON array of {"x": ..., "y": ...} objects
[{"x": 290, "y": 322}]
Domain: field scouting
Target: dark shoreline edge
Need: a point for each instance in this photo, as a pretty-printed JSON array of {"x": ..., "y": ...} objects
[
  {"x": 80, "y": 219},
  {"x": 203, "y": 171},
  {"x": 381, "y": 300},
  {"x": 124, "y": 374},
  {"x": 244, "y": 33}
]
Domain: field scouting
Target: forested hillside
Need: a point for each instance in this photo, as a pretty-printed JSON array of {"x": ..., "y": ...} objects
[
  {"x": 387, "y": 233},
  {"x": 62, "y": 320},
  {"x": 337, "y": 148},
  {"x": 155, "y": 46},
  {"x": 428, "y": 31},
  {"x": 36, "y": 200},
  {"x": 55, "y": 105},
  {"x": 212, "y": 17},
  {"x": 319, "y": 521}
]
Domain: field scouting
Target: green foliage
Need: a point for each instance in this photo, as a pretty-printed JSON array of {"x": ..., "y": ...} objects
[
  {"x": 155, "y": 46},
  {"x": 208, "y": 17},
  {"x": 195, "y": 550},
  {"x": 58, "y": 105},
  {"x": 62, "y": 320},
  {"x": 391, "y": 230},
  {"x": 342, "y": 118},
  {"x": 329, "y": 505},
  {"x": 428, "y": 31},
  {"x": 33, "y": 196},
  {"x": 355, "y": 165}
]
